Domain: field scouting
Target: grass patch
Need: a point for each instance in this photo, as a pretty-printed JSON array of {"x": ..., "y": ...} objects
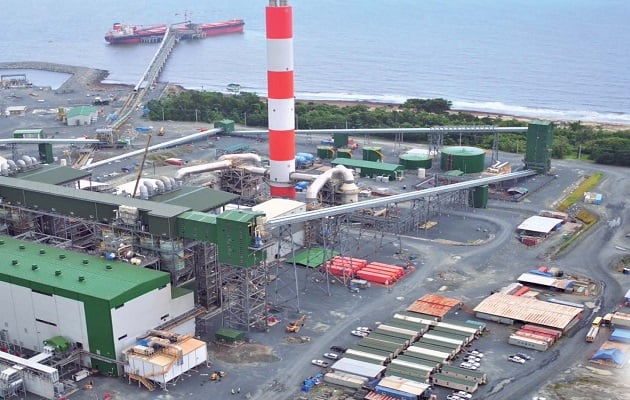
[{"x": 578, "y": 193}]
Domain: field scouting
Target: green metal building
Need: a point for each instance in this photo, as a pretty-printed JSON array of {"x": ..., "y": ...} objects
[
  {"x": 99, "y": 306},
  {"x": 372, "y": 169}
]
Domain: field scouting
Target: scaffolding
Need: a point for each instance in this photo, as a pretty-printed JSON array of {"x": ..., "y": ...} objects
[
  {"x": 243, "y": 294},
  {"x": 242, "y": 182}
]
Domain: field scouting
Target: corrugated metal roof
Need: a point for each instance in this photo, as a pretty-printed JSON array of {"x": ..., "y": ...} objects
[
  {"x": 81, "y": 110},
  {"x": 528, "y": 310},
  {"x": 357, "y": 367},
  {"x": 351, "y": 162},
  {"x": 53, "y": 174},
  {"x": 312, "y": 258},
  {"x": 404, "y": 385},
  {"x": 196, "y": 198},
  {"x": 60, "y": 192},
  {"x": 432, "y": 304},
  {"x": 57, "y": 271},
  {"x": 539, "y": 224}
]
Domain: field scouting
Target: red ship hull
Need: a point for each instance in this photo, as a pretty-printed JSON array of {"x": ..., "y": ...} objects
[{"x": 131, "y": 34}]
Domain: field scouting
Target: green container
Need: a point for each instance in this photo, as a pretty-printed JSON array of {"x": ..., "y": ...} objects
[
  {"x": 470, "y": 160},
  {"x": 371, "y": 153},
  {"x": 539, "y": 146},
  {"x": 226, "y": 124},
  {"x": 326, "y": 152},
  {"x": 340, "y": 140},
  {"x": 478, "y": 197},
  {"x": 344, "y": 153},
  {"x": 46, "y": 153},
  {"x": 415, "y": 161}
]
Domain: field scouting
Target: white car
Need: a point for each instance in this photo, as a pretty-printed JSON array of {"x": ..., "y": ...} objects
[
  {"x": 453, "y": 397},
  {"x": 331, "y": 356},
  {"x": 467, "y": 366},
  {"x": 363, "y": 329},
  {"x": 463, "y": 395},
  {"x": 320, "y": 363},
  {"x": 516, "y": 359},
  {"x": 359, "y": 333},
  {"x": 470, "y": 358},
  {"x": 476, "y": 353}
]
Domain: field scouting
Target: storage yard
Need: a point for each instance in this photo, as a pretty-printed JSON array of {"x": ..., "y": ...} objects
[{"x": 211, "y": 271}]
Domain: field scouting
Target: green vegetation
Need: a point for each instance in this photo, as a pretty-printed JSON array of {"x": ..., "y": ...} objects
[
  {"x": 570, "y": 140},
  {"x": 578, "y": 193}
]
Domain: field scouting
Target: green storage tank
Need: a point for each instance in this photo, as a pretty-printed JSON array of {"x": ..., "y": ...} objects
[
  {"x": 340, "y": 140},
  {"x": 415, "y": 161},
  {"x": 372, "y": 153},
  {"x": 478, "y": 197},
  {"x": 326, "y": 152},
  {"x": 539, "y": 146},
  {"x": 470, "y": 160},
  {"x": 344, "y": 153}
]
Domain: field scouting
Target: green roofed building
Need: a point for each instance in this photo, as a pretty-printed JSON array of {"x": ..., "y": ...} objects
[
  {"x": 82, "y": 115},
  {"x": 98, "y": 305}
]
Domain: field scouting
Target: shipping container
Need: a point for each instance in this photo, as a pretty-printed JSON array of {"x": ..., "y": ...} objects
[
  {"x": 620, "y": 319},
  {"x": 424, "y": 343},
  {"x": 432, "y": 352},
  {"x": 528, "y": 343},
  {"x": 374, "y": 351},
  {"x": 453, "y": 342},
  {"x": 411, "y": 365},
  {"x": 460, "y": 327},
  {"x": 375, "y": 278},
  {"x": 452, "y": 348},
  {"x": 396, "y": 373},
  {"x": 404, "y": 316},
  {"x": 478, "y": 324},
  {"x": 412, "y": 326},
  {"x": 390, "y": 339},
  {"x": 379, "y": 358},
  {"x": 345, "y": 380},
  {"x": 554, "y": 332},
  {"x": 427, "y": 358},
  {"x": 364, "y": 359},
  {"x": 469, "y": 337},
  {"x": 381, "y": 345},
  {"x": 455, "y": 383},
  {"x": 395, "y": 394},
  {"x": 457, "y": 372},
  {"x": 419, "y": 375},
  {"x": 400, "y": 331},
  {"x": 414, "y": 360},
  {"x": 536, "y": 336}
]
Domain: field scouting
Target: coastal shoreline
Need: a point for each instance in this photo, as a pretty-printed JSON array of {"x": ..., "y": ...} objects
[{"x": 93, "y": 79}]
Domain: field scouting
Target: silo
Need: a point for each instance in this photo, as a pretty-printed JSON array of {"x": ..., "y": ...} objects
[
  {"x": 478, "y": 197},
  {"x": 372, "y": 153},
  {"x": 415, "y": 161},
  {"x": 469, "y": 160}
]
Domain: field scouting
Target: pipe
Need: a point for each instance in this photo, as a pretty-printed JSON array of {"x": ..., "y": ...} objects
[
  {"x": 197, "y": 169},
  {"x": 255, "y": 170},
  {"x": 244, "y": 156},
  {"x": 341, "y": 171},
  {"x": 301, "y": 176},
  {"x": 170, "y": 143}
]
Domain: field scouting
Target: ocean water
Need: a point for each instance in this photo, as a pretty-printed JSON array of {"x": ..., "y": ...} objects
[{"x": 561, "y": 59}]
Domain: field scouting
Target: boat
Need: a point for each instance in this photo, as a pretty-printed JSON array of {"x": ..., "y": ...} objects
[{"x": 132, "y": 34}]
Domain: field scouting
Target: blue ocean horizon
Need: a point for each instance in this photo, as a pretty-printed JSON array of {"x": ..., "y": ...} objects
[{"x": 554, "y": 59}]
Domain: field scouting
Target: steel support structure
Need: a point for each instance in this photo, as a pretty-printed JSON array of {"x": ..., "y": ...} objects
[
  {"x": 243, "y": 293},
  {"x": 285, "y": 281}
]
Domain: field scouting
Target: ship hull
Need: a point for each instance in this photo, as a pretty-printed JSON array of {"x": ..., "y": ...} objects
[{"x": 156, "y": 35}]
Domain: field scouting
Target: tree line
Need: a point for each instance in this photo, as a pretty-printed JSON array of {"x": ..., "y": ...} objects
[{"x": 571, "y": 140}]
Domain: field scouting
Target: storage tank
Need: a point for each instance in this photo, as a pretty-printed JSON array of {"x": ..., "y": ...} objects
[
  {"x": 478, "y": 197},
  {"x": 373, "y": 153},
  {"x": 415, "y": 161},
  {"x": 326, "y": 152},
  {"x": 469, "y": 160}
]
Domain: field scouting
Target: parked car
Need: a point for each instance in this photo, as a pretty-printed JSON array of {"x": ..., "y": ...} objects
[
  {"x": 320, "y": 363},
  {"x": 359, "y": 333},
  {"x": 466, "y": 365},
  {"x": 453, "y": 397},
  {"x": 331, "y": 356},
  {"x": 476, "y": 353},
  {"x": 472, "y": 358},
  {"x": 363, "y": 329},
  {"x": 338, "y": 349},
  {"x": 523, "y": 356},
  {"x": 463, "y": 395},
  {"x": 516, "y": 359}
]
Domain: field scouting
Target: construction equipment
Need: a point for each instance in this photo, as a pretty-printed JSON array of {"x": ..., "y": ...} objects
[
  {"x": 295, "y": 326},
  {"x": 217, "y": 375}
]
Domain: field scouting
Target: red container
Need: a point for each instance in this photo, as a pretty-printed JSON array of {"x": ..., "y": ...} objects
[
  {"x": 537, "y": 333},
  {"x": 390, "y": 274},
  {"x": 554, "y": 332},
  {"x": 521, "y": 291},
  {"x": 385, "y": 270},
  {"x": 528, "y": 335},
  {"x": 374, "y": 277},
  {"x": 543, "y": 269}
]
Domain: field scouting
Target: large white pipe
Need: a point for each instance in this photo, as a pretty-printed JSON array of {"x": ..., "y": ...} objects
[
  {"x": 242, "y": 157},
  {"x": 256, "y": 170},
  {"x": 197, "y": 169},
  {"x": 348, "y": 186},
  {"x": 301, "y": 176}
]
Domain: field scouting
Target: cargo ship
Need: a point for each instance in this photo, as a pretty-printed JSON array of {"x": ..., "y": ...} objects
[{"x": 131, "y": 34}]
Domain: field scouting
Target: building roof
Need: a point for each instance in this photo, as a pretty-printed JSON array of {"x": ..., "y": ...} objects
[
  {"x": 56, "y": 271},
  {"x": 539, "y": 224},
  {"x": 276, "y": 207},
  {"x": 196, "y": 198},
  {"x": 351, "y": 162},
  {"x": 404, "y": 385},
  {"x": 432, "y": 304},
  {"x": 357, "y": 367},
  {"x": 85, "y": 111},
  {"x": 53, "y": 174},
  {"x": 528, "y": 310}
]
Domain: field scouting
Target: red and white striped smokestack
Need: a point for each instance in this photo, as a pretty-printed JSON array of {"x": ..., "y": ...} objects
[{"x": 280, "y": 98}]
